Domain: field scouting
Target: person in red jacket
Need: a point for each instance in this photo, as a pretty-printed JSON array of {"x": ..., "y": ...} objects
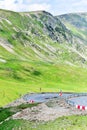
[{"x": 60, "y": 93}]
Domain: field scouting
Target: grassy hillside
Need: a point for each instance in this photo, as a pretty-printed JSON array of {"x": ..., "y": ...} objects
[
  {"x": 19, "y": 78},
  {"x": 38, "y": 36},
  {"x": 38, "y": 51}
]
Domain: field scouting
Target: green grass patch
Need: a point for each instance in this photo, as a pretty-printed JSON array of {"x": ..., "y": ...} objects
[
  {"x": 62, "y": 123},
  {"x": 18, "y": 78},
  {"x": 7, "y": 112}
]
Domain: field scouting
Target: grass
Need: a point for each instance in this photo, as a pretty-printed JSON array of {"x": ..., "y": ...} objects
[
  {"x": 18, "y": 78},
  {"x": 65, "y": 123},
  {"x": 13, "y": 124},
  {"x": 7, "y": 112},
  {"x": 62, "y": 123}
]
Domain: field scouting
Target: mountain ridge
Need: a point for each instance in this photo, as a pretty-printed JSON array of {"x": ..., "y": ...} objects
[
  {"x": 35, "y": 31},
  {"x": 40, "y": 25}
]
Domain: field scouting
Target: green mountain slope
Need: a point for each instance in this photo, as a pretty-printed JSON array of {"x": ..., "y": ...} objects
[
  {"x": 22, "y": 36},
  {"x": 39, "y": 50},
  {"x": 77, "y": 24}
]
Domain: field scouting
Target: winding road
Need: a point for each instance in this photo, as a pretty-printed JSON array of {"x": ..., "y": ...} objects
[{"x": 71, "y": 98}]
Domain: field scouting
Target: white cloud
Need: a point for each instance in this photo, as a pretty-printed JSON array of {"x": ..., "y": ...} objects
[
  {"x": 54, "y": 6},
  {"x": 42, "y": 6},
  {"x": 68, "y": 6},
  {"x": 7, "y": 4},
  {"x": 20, "y": 5},
  {"x": 80, "y": 3}
]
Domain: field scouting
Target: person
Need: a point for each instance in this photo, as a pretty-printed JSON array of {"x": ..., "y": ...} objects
[
  {"x": 40, "y": 89},
  {"x": 60, "y": 93}
]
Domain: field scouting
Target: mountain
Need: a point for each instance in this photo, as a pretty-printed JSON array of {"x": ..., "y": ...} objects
[
  {"x": 41, "y": 50},
  {"x": 22, "y": 36},
  {"x": 77, "y": 24}
]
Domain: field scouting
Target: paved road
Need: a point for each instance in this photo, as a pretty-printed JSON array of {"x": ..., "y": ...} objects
[
  {"x": 43, "y": 97},
  {"x": 81, "y": 100}
]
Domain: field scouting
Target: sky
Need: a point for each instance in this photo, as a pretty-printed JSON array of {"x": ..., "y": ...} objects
[{"x": 56, "y": 7}]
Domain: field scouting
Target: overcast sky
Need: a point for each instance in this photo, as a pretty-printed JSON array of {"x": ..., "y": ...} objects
[{"x": 55, "y": 7}]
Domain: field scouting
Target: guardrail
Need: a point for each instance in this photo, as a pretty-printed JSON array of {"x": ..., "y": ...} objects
[
  {"x": 76, "y": 95},
  {"x": 73, "y": 103}
]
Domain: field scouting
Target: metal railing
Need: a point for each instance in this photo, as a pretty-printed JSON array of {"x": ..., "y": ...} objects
[
  {"x": 77, "y": 95},
  {"x": 73, "y": 96}
]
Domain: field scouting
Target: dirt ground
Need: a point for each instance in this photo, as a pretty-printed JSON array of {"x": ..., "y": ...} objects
[{"x": 50, "y": 110}]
